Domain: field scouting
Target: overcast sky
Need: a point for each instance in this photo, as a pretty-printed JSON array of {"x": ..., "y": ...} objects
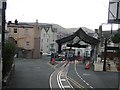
[{"x": 67, "y": 13}]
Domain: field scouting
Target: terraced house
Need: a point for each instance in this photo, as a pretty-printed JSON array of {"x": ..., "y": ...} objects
[
  {"x": 27, "y": 38},
  {"x": 48, "y": 38}
]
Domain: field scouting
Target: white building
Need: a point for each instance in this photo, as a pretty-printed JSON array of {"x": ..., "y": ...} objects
[{"x": 48, "y": 39}]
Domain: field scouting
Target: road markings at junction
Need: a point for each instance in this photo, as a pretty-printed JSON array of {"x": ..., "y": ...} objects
[
  {"x": 59, "y": 82},
  {"x": 67, "y": 87},
  {"x": 50, "y": 81},
  {"x": 75, "y": 82},
  {"x": 81, "y": 77},
  {"x": 63, "y": 79}
]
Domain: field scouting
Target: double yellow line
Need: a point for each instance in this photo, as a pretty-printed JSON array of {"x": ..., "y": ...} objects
[{"x": 76, "y": 83}]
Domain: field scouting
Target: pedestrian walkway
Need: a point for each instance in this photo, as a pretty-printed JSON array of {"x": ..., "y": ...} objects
[
  {"x": 98, "y": 66},
  {"x": 113, "y": 66}
]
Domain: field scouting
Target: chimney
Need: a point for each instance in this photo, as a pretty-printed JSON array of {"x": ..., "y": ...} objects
[
  {"x": 96, "y": 30},
  {"x": 9, "y": 22},
  {"x": 36, "y": 20},
  {"x": 16, "y": 22}
]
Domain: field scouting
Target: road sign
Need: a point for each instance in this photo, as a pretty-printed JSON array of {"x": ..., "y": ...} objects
[
  {"x": 113, "y": 48},
  {"x": 114, "y": 11}
]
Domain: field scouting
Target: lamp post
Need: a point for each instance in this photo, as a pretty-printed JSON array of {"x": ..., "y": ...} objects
[
  {"x": 105, "y": 55},
  {"x": 3, "y": 32},
  {"x": 105, "y": 47}
]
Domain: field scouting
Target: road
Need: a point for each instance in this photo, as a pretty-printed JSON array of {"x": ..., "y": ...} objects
[
  {"x": 91, "y": 79},
  {"x": 39, "y": 73},
  {"x": 31, "y": 73}
]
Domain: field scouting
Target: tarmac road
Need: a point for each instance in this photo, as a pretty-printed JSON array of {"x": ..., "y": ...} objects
[
  {"x": 92, "y": 79},
  {"x": 31, "y": 73}
]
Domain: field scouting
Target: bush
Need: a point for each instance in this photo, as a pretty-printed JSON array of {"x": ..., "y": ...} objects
[
  {"x": 116, "y": 38},
  {"x": 8, "y": 56}
]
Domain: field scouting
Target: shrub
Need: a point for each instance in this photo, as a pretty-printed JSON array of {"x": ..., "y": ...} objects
[{"x": 8, "y": 56}]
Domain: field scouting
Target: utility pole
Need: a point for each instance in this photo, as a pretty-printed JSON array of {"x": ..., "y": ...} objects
[
  {"x": 3, "y": 22},
  {"x": 105, "y": 55},
  {"x": 3, "y": 33}
]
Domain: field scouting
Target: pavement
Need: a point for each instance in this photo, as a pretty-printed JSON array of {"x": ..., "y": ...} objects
[{"x": 98, "y": 66}]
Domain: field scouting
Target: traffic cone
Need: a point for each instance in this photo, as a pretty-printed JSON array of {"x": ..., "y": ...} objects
[
  {"x": 53, "y": 61},
  {"x": 87, "y": 66}
]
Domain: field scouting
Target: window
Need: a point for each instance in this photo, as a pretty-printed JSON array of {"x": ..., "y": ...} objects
[
  {"x": 27, "y": 42},
  {"x": 9, "y": 29},
  {"x": 15, "y": 30},
  {"x": 26, "y": 32},
  {"x": 44, "y": 35},
  {"x": 15, "y": 42}
]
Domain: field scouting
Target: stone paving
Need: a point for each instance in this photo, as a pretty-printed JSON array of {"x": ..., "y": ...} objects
[{"x": 98, "y": 66}]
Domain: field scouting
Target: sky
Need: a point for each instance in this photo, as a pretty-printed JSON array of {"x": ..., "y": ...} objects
[{"x": 67, "y": 13}]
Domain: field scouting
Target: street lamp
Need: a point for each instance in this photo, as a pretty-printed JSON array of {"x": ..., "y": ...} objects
[{"x": 106, "y": 41}]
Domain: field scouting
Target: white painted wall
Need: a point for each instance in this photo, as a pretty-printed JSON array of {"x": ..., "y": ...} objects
[{"x": 47, "y": 39}]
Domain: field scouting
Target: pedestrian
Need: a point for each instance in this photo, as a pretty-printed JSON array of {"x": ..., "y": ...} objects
[
  {"x": 108, "y": 64},
  {"x": 84, "y": 58},
  {"x": 52, "y": 56},
  {"x": 65, "y": 55},
  {"x": 41, "y": 53}
]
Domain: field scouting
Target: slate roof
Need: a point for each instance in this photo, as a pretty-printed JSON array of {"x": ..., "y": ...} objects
[
  {"x": 47, "y": 27},
  {"x": 82, "y": 35}
]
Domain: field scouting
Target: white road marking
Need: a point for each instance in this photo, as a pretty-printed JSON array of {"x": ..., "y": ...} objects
[
  {"x": 80, "y": 76},
  {"x": 66, "y": 76},
  {"x": 58, "y": 80},
  {"x": 87, "y": 84},
  {"x": 67, "y": 87},
  {"x": 63, "y": 79},
  {"x": 84, "y": 81},
  {"x": 76, "y": 83},
  {"x": 50, "y": 80},
  {"x": 91, "y": 87}
]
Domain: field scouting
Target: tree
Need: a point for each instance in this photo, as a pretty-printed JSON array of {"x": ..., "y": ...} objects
[{"x": 116, "y": 38}]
